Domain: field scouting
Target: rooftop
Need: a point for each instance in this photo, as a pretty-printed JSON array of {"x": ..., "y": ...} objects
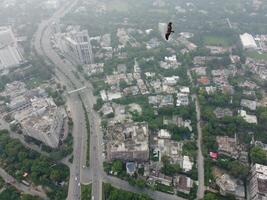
[
  {"x": 258, "y": 181},
  {"x": 222, "y": 112},
  {"x": 230, "y": 146},
  {"x": 248, "y": 41},
  {"x": 164, "y": 134},
  {"x": 9, "y": 53},
  {"x": 131, "y": 168},
  {"x": 230, "y": 185},
  {"x": 252, "y": 119},
  {"x": 187, "y": 164},
  {"x": 262, "y": 170},
  {"x": 183, "y": 183},
  {"x": 252, "y": 105},
  {"x": 9, "y": 57},
  {"x": 128, "y": 137},
  {"x": 7, "y": 37},
  {"x": 14, "y": 89}
]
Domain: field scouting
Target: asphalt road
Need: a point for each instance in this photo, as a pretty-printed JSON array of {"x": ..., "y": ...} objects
[
  {"x": 200, "y": 159},
  {"x": 116, "y": 182},
  {"x": 42, "y": 46},
  {"x": 95, "y": 173}
]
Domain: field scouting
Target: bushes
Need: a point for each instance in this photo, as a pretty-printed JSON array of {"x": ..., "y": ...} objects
[
  {"x": 56, "y": 95},
  {"x": 164, "y": 188},
  {"x": 86, "y": 191},
  {"x": 99, "y": 104},
  {"x": 213, "y": 196},
  {"x": 168, "y": 168}
]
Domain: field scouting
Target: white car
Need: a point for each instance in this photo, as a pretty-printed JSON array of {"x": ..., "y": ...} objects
[
  {"x": 79, "y": 184},
  {"x": 76, "y": 178}
]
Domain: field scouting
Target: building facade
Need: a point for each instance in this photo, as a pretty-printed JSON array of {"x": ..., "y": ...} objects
[
  {"x": 76, "y": 45},
  {"x": 257, "y": 183},
  {"x": 10, "y": 55},
  {"x": 43, "y": 121}
]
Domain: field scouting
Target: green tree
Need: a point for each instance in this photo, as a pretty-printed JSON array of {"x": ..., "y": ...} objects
[
  {"x": 55, "y": 175},
  {"x": 86, "y": 192},
  {"x": 117, "y": 166},
  {"x": 99, "y": 104},
  {"x": 141, "y": 183},
  {"x": 168, "y": 168},
  {"x": 210, "y": 196},
  {"x": 123, "y": 84},
  {"x": 263, "y": 117},
  {"x": 258, "y": 155},
  {"x": 10, "y": 193},
  {"x": 237, "y": 169}
]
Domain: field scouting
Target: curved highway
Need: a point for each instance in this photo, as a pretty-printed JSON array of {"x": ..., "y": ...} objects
[{"x": 64, "y": 71}]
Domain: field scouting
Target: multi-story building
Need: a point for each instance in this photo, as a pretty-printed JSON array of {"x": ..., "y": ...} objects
[
  {"x": 128, "y": 142},
  {"x": 162, "y": 29},
  {"x": 230, "y": 186},
  {"x": 76, "y": 45},
  {"x": 14, "y": 89},
  {"x": 43, "y": 120},
  {"x": 18, "y": 103},
  {"x": 10, "y": 55},
  {"x": 257, "y": 183}
]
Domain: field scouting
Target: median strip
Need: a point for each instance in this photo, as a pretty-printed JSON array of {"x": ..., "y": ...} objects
[{"x": 88, "y": 133}]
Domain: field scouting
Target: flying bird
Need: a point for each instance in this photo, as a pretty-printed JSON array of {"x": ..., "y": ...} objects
[{"x": 169, "y": 31}]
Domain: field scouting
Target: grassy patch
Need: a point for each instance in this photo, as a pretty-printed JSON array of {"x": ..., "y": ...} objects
[
  {"x": 110, "y": 192},
  {"x": 216, "y": 41},
  {"x": 86, "y": 191},
  {"x": 256, "y": 55}
]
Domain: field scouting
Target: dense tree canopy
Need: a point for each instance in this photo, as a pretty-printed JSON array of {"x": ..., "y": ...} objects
[
  {"x": 17, "y": 160},
  {"x": 168, "y": 168},
  {"x": 258, "y": 155}
]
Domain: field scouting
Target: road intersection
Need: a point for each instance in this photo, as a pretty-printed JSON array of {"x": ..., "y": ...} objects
[{"x": 64, "y": 71}]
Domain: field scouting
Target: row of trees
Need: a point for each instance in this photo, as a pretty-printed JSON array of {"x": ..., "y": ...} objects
[{"x": 112, "y": 193}]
